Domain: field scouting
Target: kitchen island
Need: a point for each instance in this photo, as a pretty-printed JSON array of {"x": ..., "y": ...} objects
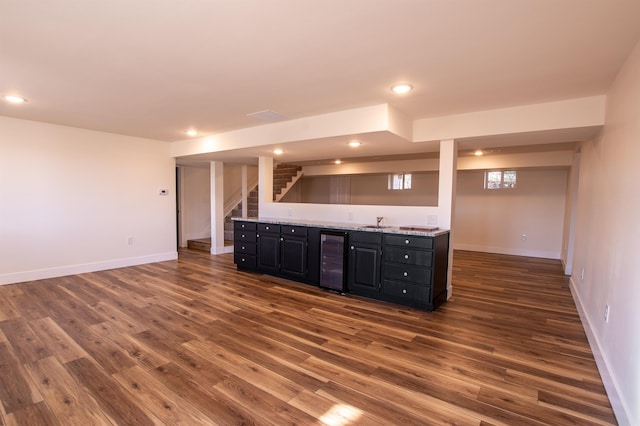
[{"x": 398, "y": 264}]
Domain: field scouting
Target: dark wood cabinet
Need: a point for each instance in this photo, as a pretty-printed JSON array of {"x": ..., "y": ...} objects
[
  {"x": 363, "y": 272},
  {"x": 244, "y": 250},
  {"x": 406, "y": 269},
  {"x": 268, "y": 247},
  {"x": 275, "y": 249},
  {"x": 293, "y": 251},
  {"x": 313, "y": 256}
]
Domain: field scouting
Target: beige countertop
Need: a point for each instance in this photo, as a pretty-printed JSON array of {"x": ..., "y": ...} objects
[{"x": 419, "y": 230}]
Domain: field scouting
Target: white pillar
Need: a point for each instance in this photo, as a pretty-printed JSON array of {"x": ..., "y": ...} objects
[
  {"x": 245, "y": 191},
  {"x": 447, "y": 196},
  {"x": 265, "y": 182},
  {"x": 216, "y": 174}
]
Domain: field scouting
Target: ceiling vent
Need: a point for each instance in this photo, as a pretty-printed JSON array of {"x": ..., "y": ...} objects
[{"x": 268, "y": 116}]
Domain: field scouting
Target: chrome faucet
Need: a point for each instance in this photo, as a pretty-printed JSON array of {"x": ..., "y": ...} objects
[{"x": 379, "y": 219}]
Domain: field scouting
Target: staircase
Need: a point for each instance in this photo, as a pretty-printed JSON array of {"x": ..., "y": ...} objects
[
  {"x": 252, "y": 211},
  {"x": 284, "y": 176}
]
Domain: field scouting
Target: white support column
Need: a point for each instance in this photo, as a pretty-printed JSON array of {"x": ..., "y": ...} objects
[
  {"x": 216, "y": 174},
  {"x": 447, "y": 196},
  {"x": 245, "y": 191},
  {"x": 265, "y": 182}
]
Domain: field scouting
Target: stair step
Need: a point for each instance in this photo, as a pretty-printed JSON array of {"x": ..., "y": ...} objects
[{"x": 201, "y": 244}]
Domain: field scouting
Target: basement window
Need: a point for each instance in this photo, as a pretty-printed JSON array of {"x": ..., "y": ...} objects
[
  {"x": 399, "y": 181},
  {"x": 499, "y": 179}
]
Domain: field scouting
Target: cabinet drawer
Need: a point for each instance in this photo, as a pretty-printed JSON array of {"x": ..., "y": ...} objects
[
  {"x": 299, "y": 231},
  {"x": 244, "y": 260},
  {"x": 244, "y": 226},
  {"x": 409, "y": 241},
  {"x": 244, "y": 236},
  {"x": 406, "y": 273},
  {"x": 365, "y": 237},
  {"x": 405, "y": 291},
  {"x": 245, "y": 248},
  {"x": 268, "y": 228},
  {"x": 408, "y": 256}
]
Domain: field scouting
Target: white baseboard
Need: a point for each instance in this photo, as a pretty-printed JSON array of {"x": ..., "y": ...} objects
[
  {"x": 623, "y": 415},
  {"x": 511, "y": 251},
  {"x": 221, "y": 250},
  {"x": 61, "y": 271}
]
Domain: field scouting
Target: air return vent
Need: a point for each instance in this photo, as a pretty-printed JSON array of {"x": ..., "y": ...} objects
[{"x": 268, "y": 115}]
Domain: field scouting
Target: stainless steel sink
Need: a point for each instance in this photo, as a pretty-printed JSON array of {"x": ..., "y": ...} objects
[{"x": 375, "y": 227}]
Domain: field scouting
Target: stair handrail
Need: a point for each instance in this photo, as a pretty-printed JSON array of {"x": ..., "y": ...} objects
[{"x": 236, "y": 198}]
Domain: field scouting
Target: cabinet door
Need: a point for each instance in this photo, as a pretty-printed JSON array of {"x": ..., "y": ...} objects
[
  {"x": 293, "y": 256},
  {"x": 313, "y": 256},
  {"x": 364, "y": 269},
  {"x": 269, "y": 252}
]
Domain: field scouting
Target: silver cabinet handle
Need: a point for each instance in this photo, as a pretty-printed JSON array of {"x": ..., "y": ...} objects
[
  {"x": 405, "y": 274},
  {"x": 266, "y": 227},
  {"x": 293, "y": 230},
  {"x": 407, "y": 241},
  {"x": 242, "y": 235},
  {"x": 352, "y": 248},
  {"x": 404, "y": 291},
  {"x": 406, "y": 256}
]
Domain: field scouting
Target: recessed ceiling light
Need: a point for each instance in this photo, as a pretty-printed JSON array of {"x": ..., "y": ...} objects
[
  {"x": 15, "y": 99},
  {"x": 478, "y": 153},
  {"x": 401, "y": 88},
  {"x": 278, "y": 151},
  {"x": 354, "y": 144},
  {"x": 338, "y": 162},
  {"x": 192, "y": 132}
]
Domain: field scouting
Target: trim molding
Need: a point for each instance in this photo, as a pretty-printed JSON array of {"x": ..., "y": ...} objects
[
  {"x": 61, "y": 271},
  {"x": 623, "y": 415},
  {"x": 511, "y": 251},
  {"x": 221, "y": 250}
]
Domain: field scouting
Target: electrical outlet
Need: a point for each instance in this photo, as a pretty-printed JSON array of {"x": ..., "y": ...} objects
[
  {"x": 582, "y": 274},
  {"x": 523, "y": 237},
  {"x": 606, "y": 313},
  {"x": 130, "y": 241},
  {"x": 432, "y": 219}
]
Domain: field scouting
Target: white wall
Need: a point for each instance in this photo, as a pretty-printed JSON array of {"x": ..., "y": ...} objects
[
  {"x": 494, "y": 220},
  {"x": 71, "y": 198},
  {"x": 607, "y": 243},
  {"x": 195, "y": 209},
  {"x": 370, "y": 189}
]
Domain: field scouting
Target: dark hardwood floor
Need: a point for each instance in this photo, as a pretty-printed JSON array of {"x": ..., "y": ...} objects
[{"x": 193, "y": 341}]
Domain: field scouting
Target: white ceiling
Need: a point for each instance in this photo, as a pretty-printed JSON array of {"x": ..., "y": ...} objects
[{"x": 153, "y": 68}]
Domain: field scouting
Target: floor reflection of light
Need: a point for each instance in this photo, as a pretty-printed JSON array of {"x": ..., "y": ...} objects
[{"x": 340, "y": 415}]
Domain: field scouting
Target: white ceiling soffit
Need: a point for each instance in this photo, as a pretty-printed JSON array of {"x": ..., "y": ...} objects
[{"x": 383, "y": 132}]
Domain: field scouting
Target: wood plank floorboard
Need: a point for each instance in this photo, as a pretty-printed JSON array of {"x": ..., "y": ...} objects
[{"x": 194, "y": 341}]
